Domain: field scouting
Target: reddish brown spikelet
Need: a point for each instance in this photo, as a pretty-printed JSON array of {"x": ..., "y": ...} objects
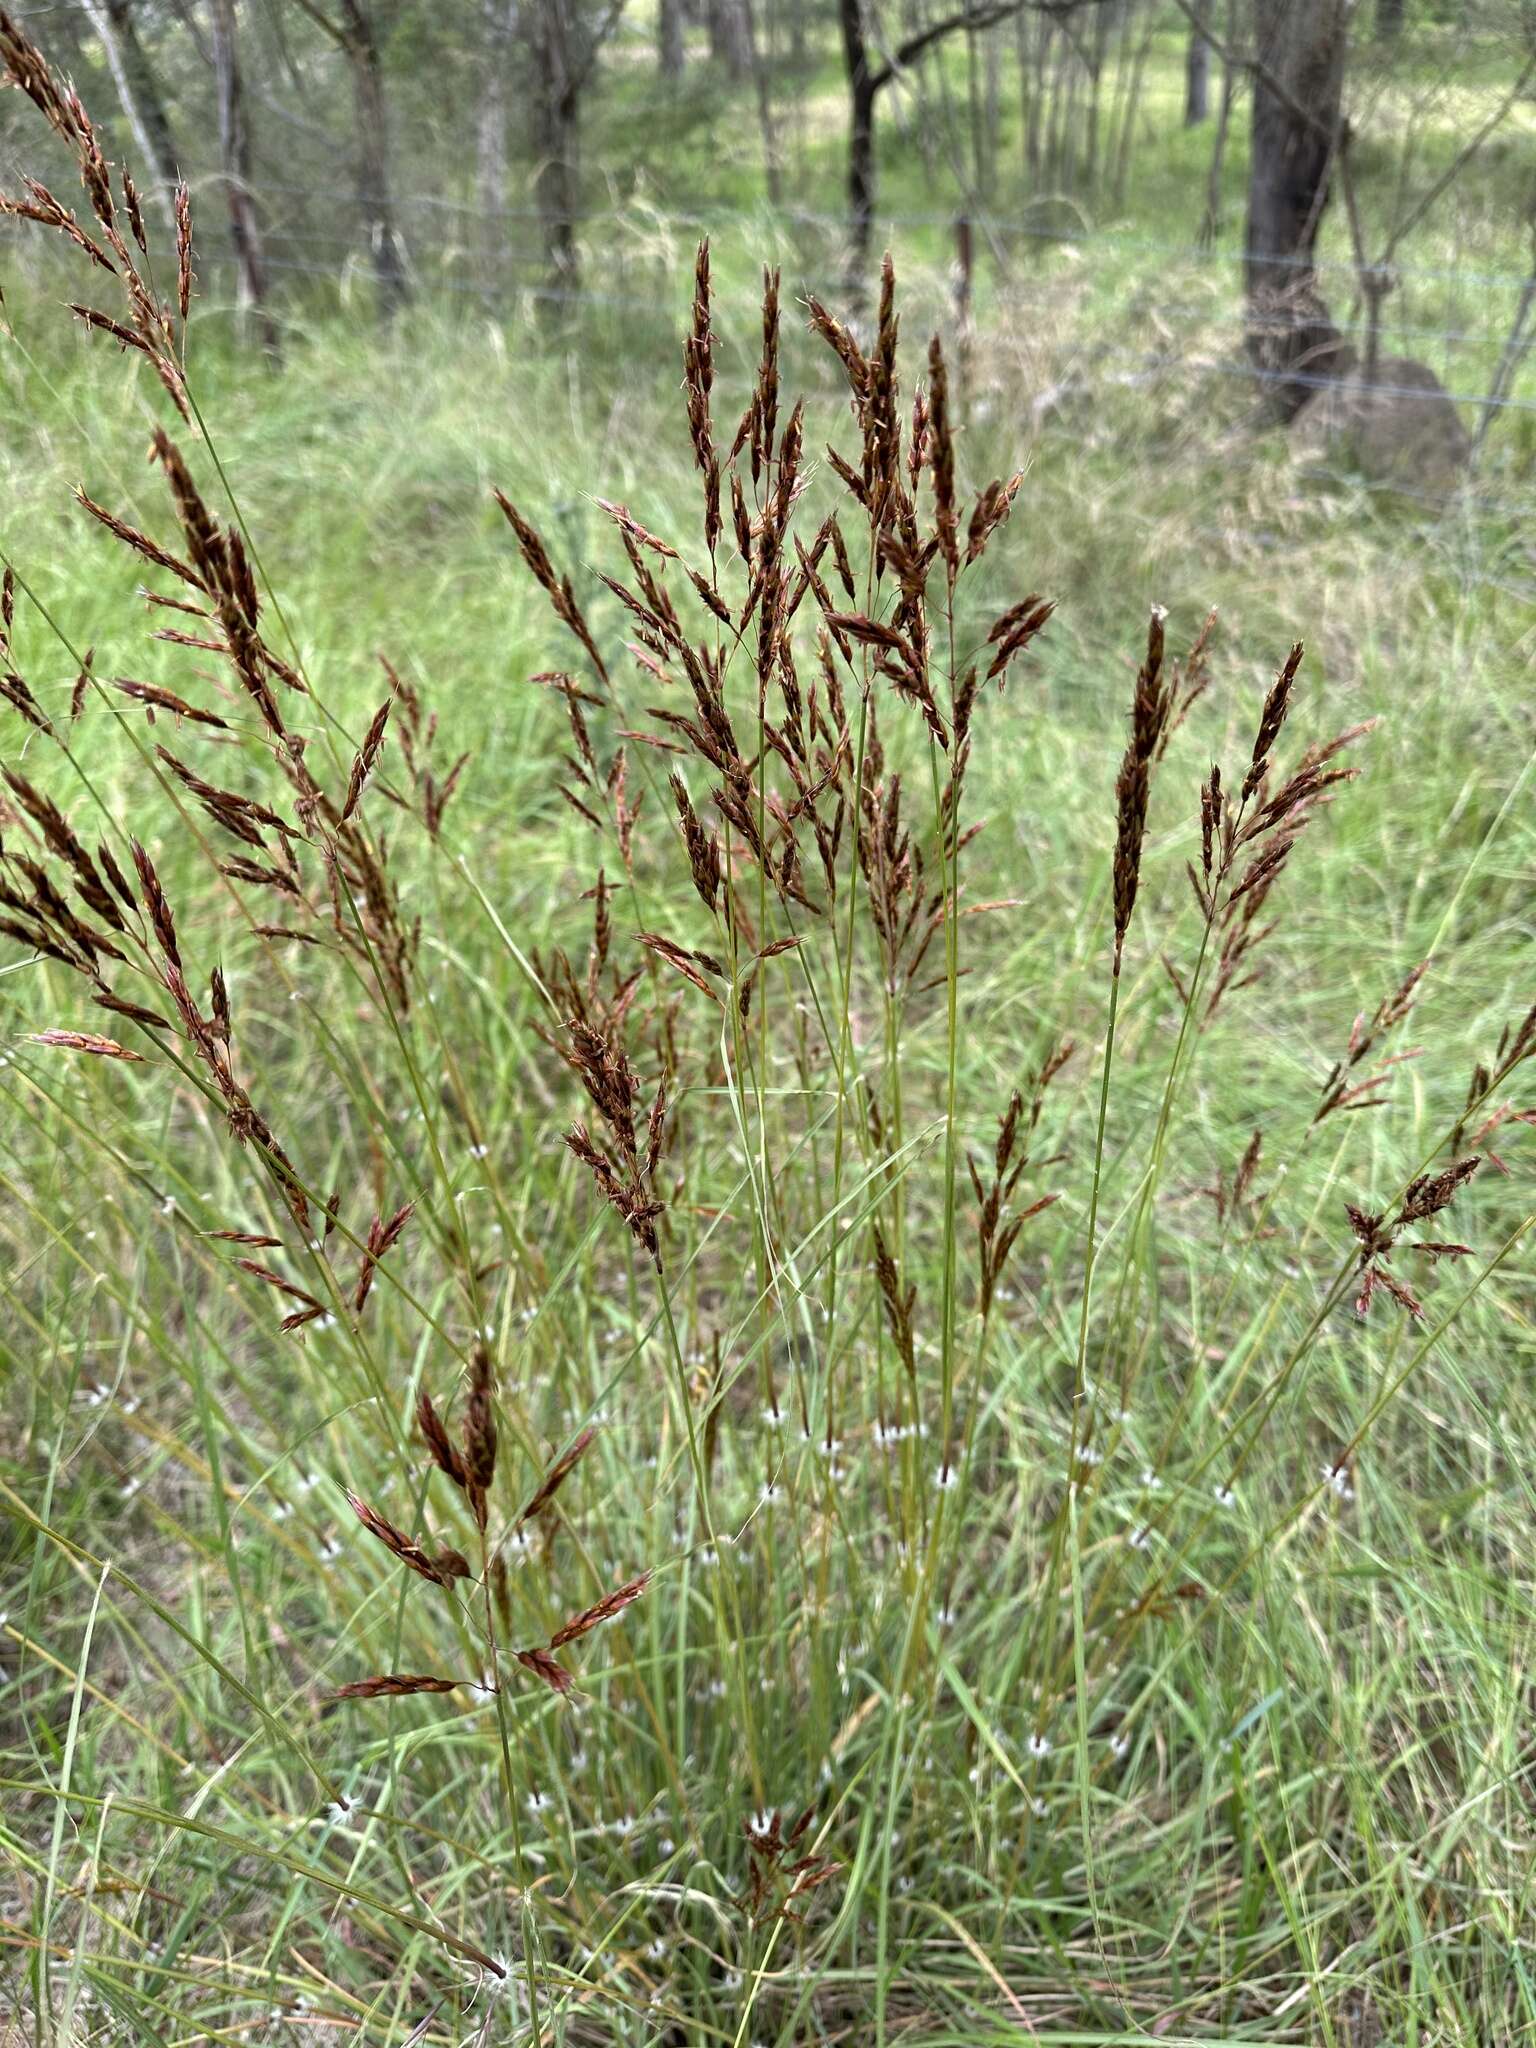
[
  {"x": 698, "y": 378},
  {"x": 543, "y": 1665},
  {"x": 440, "y": 1567},
  {"x": 435, "y": 1432},
  {"x": 1013, "y": 632},
  {"x": 1149, "y": 713},
  {"x": 558, "y": 589},
  {"x": 480, "y": 1432},
  {"x": 557, "y": 1474},
  {"x": 703, "y": 850},
  {"x": 135, "y": 212},
  {"x": 183, "y": 250},
  {"x": 141, "y": 543},
  {"x": 992, "y": 508},
  {"x": 899, "y": 1303},
  {"x": 946, "y": 511},
  {"x": 156, "y": 903},
  {"x": 86, "y": 1041},
  {"x": 155, "y": 698},
  {"x": 1431, "y": 1193},
  {"x": 391, "y": 1685},
  {"x": 1271, "y": 719},
  {"x": 603, "y": 1610},
  {"x": 382, "y": 1236},
  {"x": 367, "y": 755}
]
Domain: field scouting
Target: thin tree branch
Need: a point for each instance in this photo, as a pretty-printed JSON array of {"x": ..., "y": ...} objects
[{"x": 969, "y": 18}]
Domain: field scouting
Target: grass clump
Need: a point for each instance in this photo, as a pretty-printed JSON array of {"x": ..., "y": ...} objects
[{"x": 900, "y": 1437}]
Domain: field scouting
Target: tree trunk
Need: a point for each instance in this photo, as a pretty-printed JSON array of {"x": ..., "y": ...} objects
[
  {"x": 669, "y": 39},
  {"x": 1210, "y": 226},
  {"x": 1031, "y": 71},
  {"x": 139, "y": 95},
  {"x": 491, "y": 147},
  {"x": 730, "y": 36},
  {"x": 557, "y": 181},
  {"x": 1126, "y": 139},
  {"x": 861, "y": 139},
  {"x": 758, "y": 42},
  {"x": 373, "y": 196},
  {"x": 1197, "y": 79},
  {"x": 1098, "y": 56},
  {"x": 235, "y": 163},
  {"x": 1301, "y": 47}
]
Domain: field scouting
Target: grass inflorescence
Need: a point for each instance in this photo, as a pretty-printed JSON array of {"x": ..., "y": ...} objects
[{"x": 695, "y": 1400}]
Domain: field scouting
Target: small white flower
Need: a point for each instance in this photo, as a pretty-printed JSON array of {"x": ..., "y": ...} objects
[
  {"x": 656, "y": 1949},
  {"x": 1038, "y": 1807},
  {"x": 339, "y": 1810},
  {"x": 538, "y": 1801},
  {"x": 762, "y": 1823},
  {"x": 1120, "y": 1743},
  {"x": 1224, "y": 1496},
  {"x": 830, "y": 1446},
  {"x": 946, "y": 1477},
  {"x": 1038, "y": 1745},
  {"x": 478, "y": 1151},
  {"x": 666, "y": 1845},
  {"x": 771, "y": 1494},
  {"x": 773, "y": 1418},
  {"x": 1151, "y": 1481},
  {"x": 1089, "y": 1454},
  {"x": 1139, "y": 1539}
]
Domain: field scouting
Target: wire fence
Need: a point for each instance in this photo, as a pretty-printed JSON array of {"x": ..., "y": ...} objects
[{"x": 1470, "y": 324}]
